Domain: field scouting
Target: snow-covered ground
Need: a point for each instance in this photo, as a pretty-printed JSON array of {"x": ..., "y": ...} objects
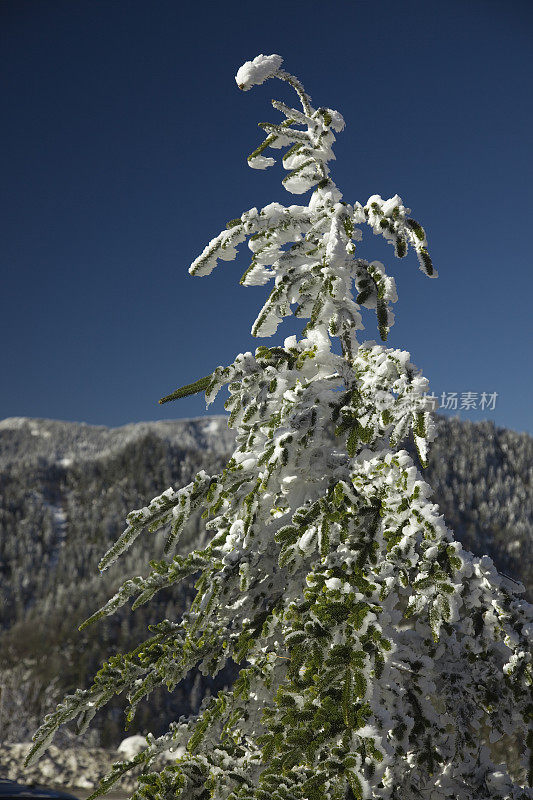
[{"x": 77, "y": 769}]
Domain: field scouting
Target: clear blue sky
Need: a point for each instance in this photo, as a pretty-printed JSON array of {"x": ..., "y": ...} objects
[{"x": 124, "y": 143}]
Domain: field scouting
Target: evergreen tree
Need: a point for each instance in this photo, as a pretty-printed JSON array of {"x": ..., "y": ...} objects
[{"x": 383, "y": 658}]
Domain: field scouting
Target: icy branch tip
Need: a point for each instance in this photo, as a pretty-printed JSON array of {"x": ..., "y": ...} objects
[{"x": 252, "y": 73}]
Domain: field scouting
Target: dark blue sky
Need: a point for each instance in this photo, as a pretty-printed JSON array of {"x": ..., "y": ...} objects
[{"x": 124, "y": 143}]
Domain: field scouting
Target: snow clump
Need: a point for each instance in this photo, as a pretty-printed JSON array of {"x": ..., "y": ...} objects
[{"x": 252, "y": 73}]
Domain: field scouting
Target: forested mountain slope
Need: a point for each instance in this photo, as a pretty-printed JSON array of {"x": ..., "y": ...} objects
[{"x": 66, "y": 489}]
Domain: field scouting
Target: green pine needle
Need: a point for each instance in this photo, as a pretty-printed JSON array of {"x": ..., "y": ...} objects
[{"x": 191, "y": 388}]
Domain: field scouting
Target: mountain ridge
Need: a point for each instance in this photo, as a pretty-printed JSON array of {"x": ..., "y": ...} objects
[{"x": 82, "y": 440}]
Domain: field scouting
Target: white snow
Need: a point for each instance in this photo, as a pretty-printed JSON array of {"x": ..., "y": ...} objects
[
  {"x": 337, "y": 120},
  {"x": 37, "y": 432},
  {"x": 60, "y": 528},
  {"x": 132, "y": 746},
  {"x": 260, "y": 162},
  {"x": 252, "y": 73},
  {"x": 12, "y": 423},
  {"x": 213, "y": 426}
]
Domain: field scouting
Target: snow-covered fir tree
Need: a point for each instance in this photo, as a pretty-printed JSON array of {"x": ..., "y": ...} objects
[{"x": 383, "y": 658}]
